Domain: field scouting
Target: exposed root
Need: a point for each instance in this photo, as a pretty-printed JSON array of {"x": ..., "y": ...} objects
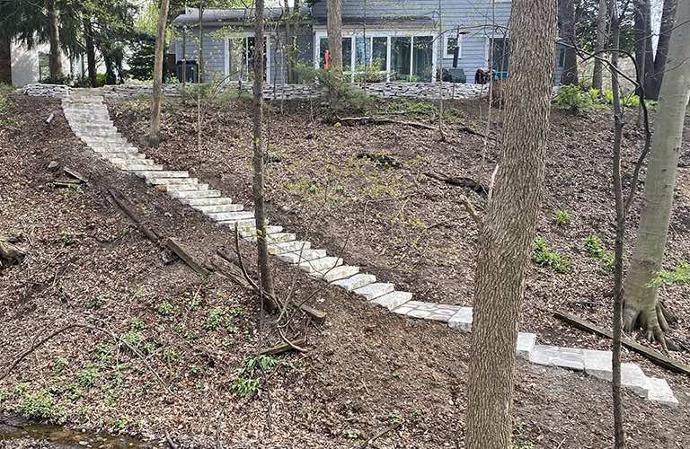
[{"x": 653, "y": 324}]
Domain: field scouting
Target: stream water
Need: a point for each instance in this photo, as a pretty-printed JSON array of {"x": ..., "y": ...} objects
[{"x": 14, "y": 429}]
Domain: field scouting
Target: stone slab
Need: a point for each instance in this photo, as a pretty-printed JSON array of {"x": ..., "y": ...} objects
[
  {"x": 321, "y": 265},
  {"x": 182, "y": 187},
  {"x": 462, "y": 319},
  {"x": 140, "y": 167},
  {"x": 337, "y": 273},
  {"x": 289, "y": 247},
  {"x": 164, "y": 174},
  {"x": 301, "y": 256},
  {"x": 190, "y": 194},
  {"x": 373, "y": 291},
  {"x": 231, "y": 216},
  {"x": 251, "y": 232},
  {"x": 356, "y": 281},
  {"x": 525, "y": 344},
  {"x": 598, "y": 363},
  {"x": 660, "y": 392},
  {"x": 393, "y": 300},
  {"x": 569, "y": 358},
  {"x": 634, "y": 378}
]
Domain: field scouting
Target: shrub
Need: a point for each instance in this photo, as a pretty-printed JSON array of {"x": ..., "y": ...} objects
[
  {"x": 572, "y": 98},
  {"x": 562, "y": 218},
  {"x": 680, "y": 275},
  {"x": 594, "y": 247},
  {"x": 40, "y": 406},
  {"x": 544, "y": 257}
]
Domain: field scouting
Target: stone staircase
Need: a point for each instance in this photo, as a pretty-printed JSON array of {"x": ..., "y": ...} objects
[{"x": 89, "y": 119}]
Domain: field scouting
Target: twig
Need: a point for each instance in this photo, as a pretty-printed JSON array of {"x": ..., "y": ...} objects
[
  {"x": 380, "y": 434},
  {"x": 384, "y": 120}
]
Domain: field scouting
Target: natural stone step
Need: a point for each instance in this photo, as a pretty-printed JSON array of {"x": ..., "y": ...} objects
[
  {"x": 237, "y": 224},
  {"x": 189, "y": 194},
  {"x": 321, "y": 265},
  {"x": 182, "y": 187},
  {"x": 525, "y": 344},
  {"x": 230, "y": 216},
  {"x": 137, "y": 168},
  {"x": 289, "y": 247},
  {"x": 393, "y": 300},
  {"x": 218, "y": 208},
  {"x": 164, "y": 174},
  {"x": 208, "y": 201},
  {"x": 124, "y": 161},
  {"x": 337, "y": 273},
  {"x": 251, "y": 232},
  {"x": 356, "y": 281},
  {"x": 570, "y": 358},
  {"x": 280, "y": 237},
  {"x": 122, "y": 155},
  {"x": 297, "y": 257},
  {"x": 429, "y": 311},
  {"x": 660, "y": 392},
  {"x": 373, "y": 291},
  {"x": 462, "y": 319}
]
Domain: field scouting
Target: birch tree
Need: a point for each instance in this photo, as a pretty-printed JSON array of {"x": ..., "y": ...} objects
[
  {"x": 642, "y": 308},
  {"x": 508, "y": 230},
  {"x": 154, "y": 136}
]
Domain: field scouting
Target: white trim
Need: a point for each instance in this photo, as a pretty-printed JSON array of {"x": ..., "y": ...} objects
[
  {"x": 227, "y": 58},
  {"x": 267, "y": 69}
]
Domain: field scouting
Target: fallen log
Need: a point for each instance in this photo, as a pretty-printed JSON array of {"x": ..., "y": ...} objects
[
  {"x": 467, "y": 183},
  {"x": 75, "y": 174},
  {"x": 654, "y": 356},
  {"x": 284, "y": 347},
  {"x": 124, "y": 205},
  {"x": 386, "y": 121},
  {"x": 175, "y": 247}
]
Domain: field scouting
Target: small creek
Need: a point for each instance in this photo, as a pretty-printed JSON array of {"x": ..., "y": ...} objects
[{"x": 12, "y": 428}]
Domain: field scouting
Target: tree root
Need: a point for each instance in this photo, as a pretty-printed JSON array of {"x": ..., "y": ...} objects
[{"x": 654, "y": 324}]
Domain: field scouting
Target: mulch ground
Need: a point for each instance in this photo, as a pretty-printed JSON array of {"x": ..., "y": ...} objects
[{"x": 366, "y": 369}]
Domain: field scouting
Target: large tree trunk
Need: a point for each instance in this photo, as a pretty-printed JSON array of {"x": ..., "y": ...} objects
[
  {"x": 258, "y": 161},
  {"x": 644, "y": 53},
  {"x": 90, "y": 51},
  {"x": 602, "y": 20},
  {"x": 566, "y": 20},
  {"x": 335, "y": 36},
  {"x": 641, "y": 306},
  {"x": 667, "y": 18},
  {"x": 201, "y": 42},
  {"x": 508, "y": 231},
  {"x": 6, "y": 60},
  {"x": 55, "y": 63},
  {"x": 154, "y": 136}
]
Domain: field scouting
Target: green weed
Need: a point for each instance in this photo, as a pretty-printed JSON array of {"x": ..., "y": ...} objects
[
  {"x": 544, "y": 257},
  {"x": 573, "y": 98},
  {"x": 593, "y": 246},
  {"x": 87, "y": 376},
  {"x": 244, "y": 387},
  {"x": 39, "y": 406},
  {"x": 60, "y": 364},
  {"x": 562, "y": 218},
  {"x": 165, "y": 309},
  {"x": 679, "y": 275}
]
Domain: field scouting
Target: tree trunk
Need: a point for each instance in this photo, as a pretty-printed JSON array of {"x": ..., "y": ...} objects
[
  {"x": 644, "y": 53},
  {"x": 55, "y": 63},
  {"x": 201, "y": 42},
  {"x": 566, "y": 17},
  {"x": 258, "y": 161},
  {"x": 335, "y": 37},
  {"x": 619, "y": 431},
  {"x": 641, "y": 306},
  {"x": 602, "y": 39},
  {"x": 90, "y": 51},
  {"x": 6, "y": 60},
  {"x": 667, "y": 18},
  {"x": 154, "y": 136},
  {"x": 509, "y": 227},
  {"x": 291, "y": 41}
]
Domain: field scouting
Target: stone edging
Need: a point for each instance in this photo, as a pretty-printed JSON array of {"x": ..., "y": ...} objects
[{"x": 89, "y": 119}]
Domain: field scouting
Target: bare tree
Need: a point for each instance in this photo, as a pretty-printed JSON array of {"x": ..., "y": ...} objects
[
  {"x": 566, "y": 22},
  {"x": 265, "y": 276},
  {"x": 55, "y": 63},
  {"x": 602, "y": 39},
  {"x": 641, "y": 303},
  {"x": 154, "y": 136},
  {"x": 508, "y": 230},
  {"x": 335, "y": 36},
  {"x": 667, "y": 20}
]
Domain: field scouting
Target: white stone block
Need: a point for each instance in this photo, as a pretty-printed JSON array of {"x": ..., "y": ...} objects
[
  {"x": 321, "y": 265},
  {"x": 660, "y": 392},
  {"x": 373, "y": 291},
  {"x": 393, "y": 300},
  {"x": 462, "y": 320},
  {"x": 289, "y": 247},
  {"x": 525, "y": 344},
  {"x": 301, "y": 256},
  {"x": 337, "y": 273},
  {"x": 356, "y": 281},
  {"x": 569, "y": 358}
]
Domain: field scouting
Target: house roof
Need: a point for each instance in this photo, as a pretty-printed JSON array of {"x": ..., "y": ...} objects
[
  {"x": 233, "y": 15},
  {"x": 384, "y": 21}
]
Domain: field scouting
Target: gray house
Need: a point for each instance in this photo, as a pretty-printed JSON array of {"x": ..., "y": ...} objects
[{"x": 389, "y": 40}]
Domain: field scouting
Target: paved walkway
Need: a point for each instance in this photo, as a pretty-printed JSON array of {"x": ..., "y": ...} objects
[{"x": 89, "y": 119}]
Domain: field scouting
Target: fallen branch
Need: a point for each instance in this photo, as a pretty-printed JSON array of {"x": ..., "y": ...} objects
[
  {"x": 467, "y": 183},
  {"x": 9, "y": 253},
  {"x": 385, "y": 121},
  {"x": 284, "y": 347},
  {"x": 380, "y": 434},
  {"x": 175, "y": 247},
  {"x": 123, "y": 204},
  {"x": 75, "y": 174},
  {"x": 654, "y": 356}
]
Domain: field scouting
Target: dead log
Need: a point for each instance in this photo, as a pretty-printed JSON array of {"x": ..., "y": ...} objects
[
  {"x": 175, "y": 247},
  {"x": 128, "y": 209},
  {"x": 654, "y": 356},
  {"x": 74, "y": 174},
  {"x": 284, "y": 347},
  {"x": 467, "y": 183},
  {"x": 386, "y": 121}
]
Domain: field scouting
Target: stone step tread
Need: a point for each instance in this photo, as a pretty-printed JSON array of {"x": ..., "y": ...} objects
[
  {"x": 188, "y": 194},
  {"x": 169, "y": 181},
  {"x": 142, "y": 168},
  {"x": 272, "y": 239},
  {"x": 269, "y": 230},
  {"x": 297, "y": 257},
  {"x": 394, "y": 300},
  {"x": 356, "y": 281},
  {"x": 373, "y": 291},
  {"x": 236, "y": 224},
  {"x": 660, "y": 392},
  {"x": 337, "y": 273},
  {"x": 182, "y": 187},
  {"x": 216, "y": 208},
  {"x": 321, "y": 265},
  {"x": 165, "y": 174},
  {"x": 289, "y": 247},
  {"x": 429, "y": 311},
  {"x": 208, "y": 201},
  {"x": 229, "y": 216}
]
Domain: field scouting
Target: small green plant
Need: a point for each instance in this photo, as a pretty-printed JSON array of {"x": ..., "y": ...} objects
[
  {"x": 244, "y": 387},
  {"x": 247, "y": 383},
  {"x": 40, "y": 406},
  {"x": 165, "y": 309},
  {"x": 562, "y": 218},
  {"x": 221, "y": 316},
  {"x": 73, "y": 392},
  {"x": 679, "y": 275},
  {"x": 593, "y": 247},
  {"x": 87, "y": 376},
  {"x": 544, "y": 257},
  {"x": 103, "y": 352},
  {"x": 169, "y": 356},
  {"x": 119, "y": 423},
  {"x": 572, "y": 98},
  {"x": 60, "y": 364},
  {"x": 630, "y": 100}
]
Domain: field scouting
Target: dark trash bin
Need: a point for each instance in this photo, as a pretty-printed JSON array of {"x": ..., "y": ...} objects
[{"x": 187, "y": 71}]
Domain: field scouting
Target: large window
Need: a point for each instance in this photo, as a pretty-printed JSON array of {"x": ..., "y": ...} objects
[
  {"x": 501, "y": 57},
  {"x": 423, "y": 58},
  {"x": 241, "y": 58},
  {"x": 401, "y": 57}
]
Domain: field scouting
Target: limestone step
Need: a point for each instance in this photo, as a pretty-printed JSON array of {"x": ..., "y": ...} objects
[
  {"x": 336, "y": 273},
  {"x": 250, "y": 232},
  {"x": 193, "y": 194},
  {"x": 237, "y": 224},
  {"x": 123, "y": 155},
  {"x": 393, "y": 299},
  {"x": 280, "y": 237},
  {"x": 125, "y": 161},
  {"x": 289, "y": 247},
  {"x": 462, "y": 319},
  {"x": 321, "y": 265},
  {"x": 182, "y": 187},
  {"x": 164, "y": 174},
  {"x": 525, "y": 344},
  {"x": 660, "y": 392},
  {"x": 208, "y": 201},
  {"x": 171, "y": 181},
  {"x": 375, "y": 290},
  {"x": 231, "y": 216},
  {"x": 137, "y": 168},
  {"x": 356, "y": 281},
  {"x": 296, "y": 257},
  {"x": 219, "y": 208},
  {"x": 93, "y": 119}
]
